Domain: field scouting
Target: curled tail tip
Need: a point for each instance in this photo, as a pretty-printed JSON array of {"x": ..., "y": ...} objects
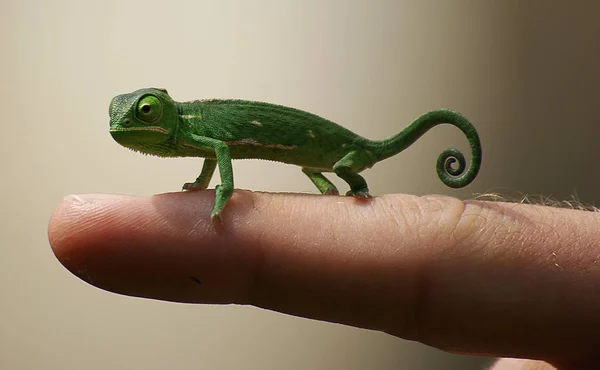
[
  {"x": 459, "y": 176},
  {"x": 451, "y": 166}
]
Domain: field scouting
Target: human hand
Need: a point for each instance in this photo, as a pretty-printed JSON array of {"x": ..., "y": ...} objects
[{"x": 485, "y": 278}]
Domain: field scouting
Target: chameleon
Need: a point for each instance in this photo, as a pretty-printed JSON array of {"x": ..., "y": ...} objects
[{"x": 219, "y": 130}]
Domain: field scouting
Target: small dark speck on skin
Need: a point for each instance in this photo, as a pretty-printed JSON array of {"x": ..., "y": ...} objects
[{"x": 195, "y": 279}]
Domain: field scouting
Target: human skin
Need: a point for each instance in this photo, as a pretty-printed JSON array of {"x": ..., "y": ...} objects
[{"x": 470, "y": 277}]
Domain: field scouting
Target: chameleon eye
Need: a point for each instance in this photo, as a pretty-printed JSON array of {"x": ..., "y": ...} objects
[{"x": 149, "y": 109}]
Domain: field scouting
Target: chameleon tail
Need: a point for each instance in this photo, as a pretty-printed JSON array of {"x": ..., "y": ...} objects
[{"x": 454, "y": 177}]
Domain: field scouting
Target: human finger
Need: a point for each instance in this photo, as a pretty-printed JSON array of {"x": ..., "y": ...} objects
[{"x": 473, "y": 277}]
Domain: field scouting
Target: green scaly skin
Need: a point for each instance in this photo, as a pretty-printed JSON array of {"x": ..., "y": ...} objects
[{"x": 149, "y": 121}]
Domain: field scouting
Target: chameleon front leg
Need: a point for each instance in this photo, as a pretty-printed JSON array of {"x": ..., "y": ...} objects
[
  {"x": 321, "y": 182},
  {"x": 223, "y": 159},
  {"x": 201, "y": 183}
]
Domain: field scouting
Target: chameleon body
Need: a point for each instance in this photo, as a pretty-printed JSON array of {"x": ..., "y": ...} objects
[{"x": 151, "y": 122}]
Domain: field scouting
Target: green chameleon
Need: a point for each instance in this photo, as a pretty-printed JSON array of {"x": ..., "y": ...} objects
[{"x": 149, "y": 121}]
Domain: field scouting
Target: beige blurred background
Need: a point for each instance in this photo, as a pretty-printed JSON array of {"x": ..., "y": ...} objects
[{"x": 526, "y": 73}]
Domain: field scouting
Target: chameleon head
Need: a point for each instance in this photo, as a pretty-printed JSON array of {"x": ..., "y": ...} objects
[{"x": 143, "y": 118}]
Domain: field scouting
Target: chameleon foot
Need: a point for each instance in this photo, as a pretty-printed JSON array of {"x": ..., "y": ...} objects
[
  {"x": 360, "y": 193},
  {"x": 222, "y": 195},
  {"x": 331, "y": 191},
  {"x": 190, "y": 186},
  {"x": 215, "y": 217}
]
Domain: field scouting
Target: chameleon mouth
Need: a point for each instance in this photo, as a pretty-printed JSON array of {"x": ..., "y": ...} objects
[{"x": 130, "y": 129}]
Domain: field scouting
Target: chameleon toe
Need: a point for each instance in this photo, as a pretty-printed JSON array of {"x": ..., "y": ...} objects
[
  {"x": 362, "y": 194},
  {"x": 191, "y": 186},
  {"x": 332, "y": 191}
]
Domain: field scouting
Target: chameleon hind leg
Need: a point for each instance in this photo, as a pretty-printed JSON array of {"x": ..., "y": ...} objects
[
  {"x": 348, "y": 168},
  {"x": 321, "y": 182}
]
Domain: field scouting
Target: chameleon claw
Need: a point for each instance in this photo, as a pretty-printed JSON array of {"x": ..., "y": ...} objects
[{"x": 215, "y": 217}]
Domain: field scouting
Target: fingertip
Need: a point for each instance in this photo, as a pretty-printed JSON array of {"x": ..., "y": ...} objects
[
  {"x": 155, "y": 247},
  {"x": 73, "y": 221},
  {"x": 61, "y": 221}
]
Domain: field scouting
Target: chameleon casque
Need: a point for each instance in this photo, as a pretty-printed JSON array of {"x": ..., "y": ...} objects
[{"x": 151, "y": 122}]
